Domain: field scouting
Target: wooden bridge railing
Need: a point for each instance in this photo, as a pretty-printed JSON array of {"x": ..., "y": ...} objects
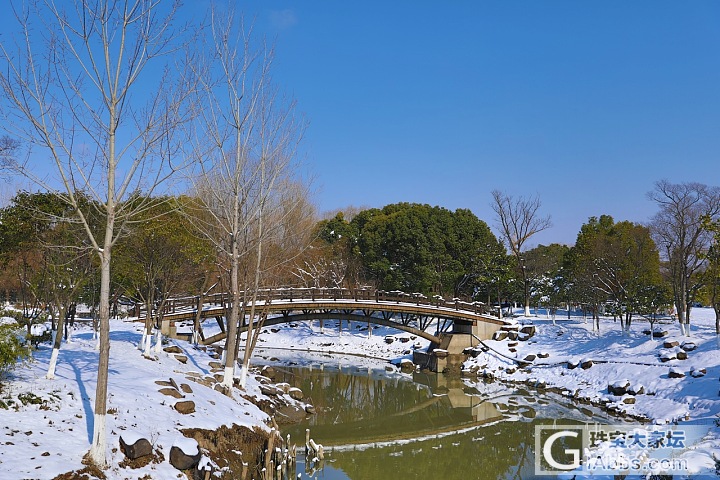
[{"x": 318, "y": 294}]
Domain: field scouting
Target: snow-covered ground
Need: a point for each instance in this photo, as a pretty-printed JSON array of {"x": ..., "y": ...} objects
[
  {"x": 46, "y": 439},
  {"x": 631, "y": 360}
]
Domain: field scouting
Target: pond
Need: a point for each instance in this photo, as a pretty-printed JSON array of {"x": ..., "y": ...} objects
[{"x": 375, "y": 422}]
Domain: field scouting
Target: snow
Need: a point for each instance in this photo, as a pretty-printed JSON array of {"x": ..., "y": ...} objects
[
  {"x": 46, "y": 439},
  {"x": 49, "y": 438},
  {"x": 188, "y": 446},
  {"x": 131, "y": 437},
  {"x": 620, "y": 357}
]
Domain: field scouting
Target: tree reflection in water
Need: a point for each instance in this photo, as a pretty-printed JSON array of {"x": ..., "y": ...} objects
[{"x": 377, "y": 425}]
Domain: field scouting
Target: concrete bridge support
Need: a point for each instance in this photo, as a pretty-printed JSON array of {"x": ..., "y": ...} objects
[{"x": 448, "y": 354}]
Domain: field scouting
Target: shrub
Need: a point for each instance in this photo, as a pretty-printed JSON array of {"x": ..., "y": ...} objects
[{"x": 12, "y": 347}]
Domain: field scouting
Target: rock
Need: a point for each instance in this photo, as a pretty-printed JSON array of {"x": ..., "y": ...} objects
[
  {"x": 510, "y": 328},
  {"x": 647, "y": 331},
  {"x": 172, "y": 349},
  {"x": 284, "y": 386},
  {"x": 543, "y": 355},
  {"x": 572, "y": 364},
  {"x": 659, "y": 333},
  {"x": 407, "y": 366},
  {"x": 670, "y": 343},
  {"x": 215, "y": 365},
  {"x": 529, "y": 358},
  {"x": 309, "y": 409},
  {"x": 586, "y": 363},
  {"x": 268, "y": 371},
  {"x": 171, "y": 392},
  {"x": 295, "y": 393},
  {"x": 500, "y": 335},
  {"x": 688, "y": 346},
  {"x": 404, "y": 339},
  {"x": 270, "y": 390},
  {"x": 629, "y": 400},
  {"x": 185, "y": 388},
  {"x": 140, "y": 448},
  {"x": 676, "y": 373},
  {"x": 681, "y": 355},
  {"x": 697, "y": 372},
  {"x": 163, "y": 383},
  {"x": 181, "y": 358},
  {"x": 185, "y": 407},
  {"x": 512, "y": 350},
  {"x": 635, "y": 389},
  {"x": 667, "y": 356},
  {"x": 619, "y": 388},
  {"x": 389, "y": 339},
  {"x": 512, "y": 335},
  {"x": 512, "y": 344},
  {"x": 182, "y": 460},
  {"x": 510, "y": 370},
  {"x": 440, "y": 353},
  {"x": 528, "y": 330}
]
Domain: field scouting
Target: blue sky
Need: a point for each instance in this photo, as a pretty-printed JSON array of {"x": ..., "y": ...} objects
[{"x": 585, "y": 104}]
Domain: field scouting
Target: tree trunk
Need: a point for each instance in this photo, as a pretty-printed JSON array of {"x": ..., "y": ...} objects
[
  {"x": 232, "y": 324},
  {"x": 57, "y": 341},
  {"x": 99, "y": 443}
]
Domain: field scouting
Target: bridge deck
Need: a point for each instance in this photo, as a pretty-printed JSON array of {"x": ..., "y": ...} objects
[{"x": 356, "y": 305}]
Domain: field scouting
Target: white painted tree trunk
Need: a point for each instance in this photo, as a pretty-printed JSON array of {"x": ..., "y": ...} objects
[
  {"x": 158, "y": 341},
  {"x": 141, "y": 345},
  {"x": 222, "y": 357},
  {"x": 147, "y": 346},
  {"x": 243, "y": 376},
  {"x": 53, "y": 362},
  {"x": 527, "y": 310},
  {"x": 99, "y": 445},
  {"x": 228, "y": 377}
]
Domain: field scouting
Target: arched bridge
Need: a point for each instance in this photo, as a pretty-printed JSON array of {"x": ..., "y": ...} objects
[{"x": 429, "y": 318}]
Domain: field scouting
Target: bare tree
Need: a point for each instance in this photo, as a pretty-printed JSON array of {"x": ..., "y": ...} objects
[
  {"x": 682, "y": 237},
  {"x": 8, "y": 147},
  {"x": 244, "y": 147},
  {"x": 518, "y": 220},
  {"x": 90, "y": 94}
]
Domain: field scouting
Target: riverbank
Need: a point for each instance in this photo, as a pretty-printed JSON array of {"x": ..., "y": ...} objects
[
  {"x": 47, "y": 424},
  {"x": 661, "y": 378}
]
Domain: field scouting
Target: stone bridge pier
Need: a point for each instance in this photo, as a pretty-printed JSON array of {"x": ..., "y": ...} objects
[{"x": 449, "y": 354}]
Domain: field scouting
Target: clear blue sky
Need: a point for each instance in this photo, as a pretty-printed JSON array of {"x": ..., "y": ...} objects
[{"x": 585, "y": 103}]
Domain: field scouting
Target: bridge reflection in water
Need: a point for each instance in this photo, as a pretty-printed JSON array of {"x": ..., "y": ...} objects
[
  {"x": 376, "y": 425},
  {"x": 356, "y": 408}
]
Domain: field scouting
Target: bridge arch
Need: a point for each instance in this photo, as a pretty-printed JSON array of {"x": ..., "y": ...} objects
[{"x": 352, "y": 317}]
